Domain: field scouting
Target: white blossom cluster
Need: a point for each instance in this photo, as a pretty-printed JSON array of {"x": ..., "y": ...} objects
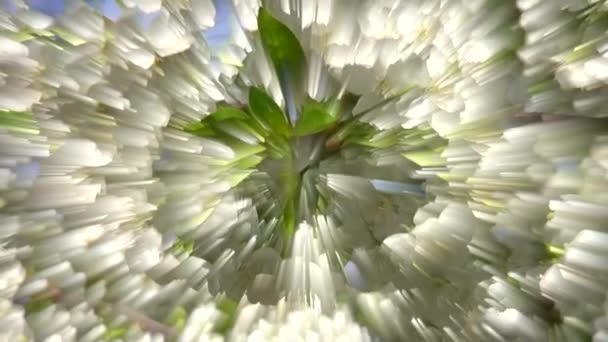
[{"x": 462, "y": 195}]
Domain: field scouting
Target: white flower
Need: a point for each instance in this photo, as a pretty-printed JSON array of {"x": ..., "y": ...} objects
[{"x": 327, "y": 171}]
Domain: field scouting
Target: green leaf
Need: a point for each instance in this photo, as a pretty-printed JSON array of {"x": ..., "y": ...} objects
[
  {"x": 267, "y": 113},
  {"x": 554, "y": 252},
  {"x": 237, "y": 117},
  {"x": 177, "y": 318},
  {"x": 381, "y": 139},
  {"x": 201, "y": 129},
  {"x": 237, "y": 128},
  {"x": 225, "y": 112},
  {"x": 241, "y": 149},
  {"x": 286, "y": 55},
  {"x": 278, "y": 147},
  {"x": 249, "y": 162},
  {"x": 68, "y": 36},
  {"x": 316, "y": 117},
  {"x": 237, "y": 177},
  {"x": 353, "y": 132},
  {"x": 223, "y": 118},
  {"x": 425, "y": 158},
  {"x": 204, "y": 128},
  {"x": 115, "y": 333},
  {"x": 37, "y": 305},
  {"x": 20, "y": 122},
  {"x": 229, "y": 308},
  {"x": 280, "y": 43}
]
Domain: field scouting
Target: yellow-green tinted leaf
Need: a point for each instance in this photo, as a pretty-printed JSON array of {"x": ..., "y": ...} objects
[
  {"x": 115, "y": 333},
  {"x": 227, "y": 120},
  {"x": 315, "y": 118},
  {"x": 69, "y": 37},
  {"x": 236, "y": 178},
  {"x": 278, "y": 147},
  {"x": 201, "y": 129},
  {"x": 228, "y": 307},
  {"x": 177, "y": 318},
  {"x": 241, "y": 149},
  {"x": 36, "y": 305},
  {"x": 20, "y": 122},
  {"x": 381, "y": 139},
  {"x": 249, "y": 162},
  {"x": 239, "y": 129},
  {"x": 348, "y": 132},
  {"x": 183, "y": 247},
  {"x": 425, "y": 158},
  {"x": 226, "y": 112}
]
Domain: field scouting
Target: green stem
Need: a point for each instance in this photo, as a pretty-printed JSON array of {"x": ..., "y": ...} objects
[{"x": 291, "y": 182}]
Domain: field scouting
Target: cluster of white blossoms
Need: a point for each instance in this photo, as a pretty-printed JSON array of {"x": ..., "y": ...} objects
[{"x": 337, "y": 170}]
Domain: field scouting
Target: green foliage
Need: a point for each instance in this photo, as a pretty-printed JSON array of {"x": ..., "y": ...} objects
[
  {"x": 37, "y": 305},
  {"x": 115, "y": 333},
  {"x": 286, "y": 54},
  {"x": 280, "y": 43},
  {"x": 265, "y": 120},
  {"x": 267, "y": 113},
  {"x": 316, "y": 117},
  {"x": 554, "y": 252},
  {"x": 289, "y": 217},
  {"x": 201, "y": 129},
  {"x": 229, "y": 308},
  {"x": 183, "y": 246},
  {"x": 223, "y": 112},
  {"x": 426, "y": 158},
  {"x": 241, "y": 149},
  {"x": 215, "y": 123},
  {"x": 291, "y": 182},
  {"x": 268, "y": 122},
  {"x": 177, "y": 318},
  {"x": 278, "y": 147},
  {"x": 19, "y": 122}
]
